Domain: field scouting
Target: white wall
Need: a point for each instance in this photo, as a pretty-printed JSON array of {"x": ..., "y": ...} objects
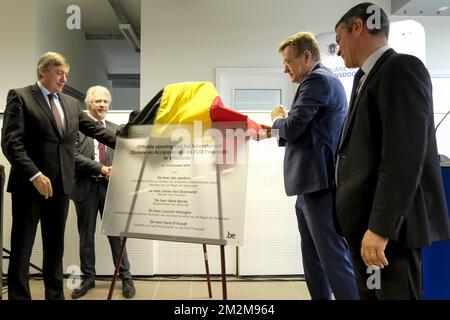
[
  {"x": 87, "y": 66},
  {"x": 187, "y": 40},
  {"x": 437, "y": 40},
  {"x": 29, "y": 28},
  {"x": 17, "y": 63}
]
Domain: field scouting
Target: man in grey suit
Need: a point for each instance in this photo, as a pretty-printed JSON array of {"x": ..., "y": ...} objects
[
  {"x": 311, "y": 131},
  {"x": 92, "y": 170},
  {"x": 40, "y": 127},
  {"x": 389, "y": 199}
]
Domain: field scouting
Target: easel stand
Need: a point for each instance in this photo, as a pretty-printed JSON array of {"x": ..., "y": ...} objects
[
  {"x": 150, "y": 168},
  {"x": 208, "y": 277}
]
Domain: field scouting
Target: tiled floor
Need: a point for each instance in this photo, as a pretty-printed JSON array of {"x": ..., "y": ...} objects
[{"x": 193, "y": 288}]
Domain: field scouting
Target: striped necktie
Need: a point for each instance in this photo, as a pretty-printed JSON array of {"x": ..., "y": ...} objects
[{"x": 56, "y": 113}]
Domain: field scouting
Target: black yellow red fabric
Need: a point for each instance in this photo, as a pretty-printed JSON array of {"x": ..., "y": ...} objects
[{"x": 187, "y": 102}]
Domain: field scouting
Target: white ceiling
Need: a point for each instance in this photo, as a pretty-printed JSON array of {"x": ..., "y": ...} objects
[
  {"x": 98, "y": 16},
  {"x": 420, "y": 7},
  {"x": 98, "y": 19}
]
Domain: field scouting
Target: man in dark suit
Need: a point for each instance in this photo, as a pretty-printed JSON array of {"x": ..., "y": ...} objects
[
  {"x": 390, "y": 200},
  {"x": 40, "y": 127},
  {"x": 311, "y": 131},
  {"x": 92, "y": 170}
]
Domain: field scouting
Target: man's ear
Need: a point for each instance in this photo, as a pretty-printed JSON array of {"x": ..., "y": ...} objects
[
  {"x": 358, "y": 26},
  {"x": 308, "y": 56},
  {"x": 41, "y": 72}
]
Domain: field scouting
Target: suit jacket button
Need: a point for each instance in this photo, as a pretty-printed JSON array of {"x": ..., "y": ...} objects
[{"x": 343, "y": 156}]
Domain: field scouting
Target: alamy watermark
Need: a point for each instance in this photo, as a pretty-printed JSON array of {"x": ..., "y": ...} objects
[
  {"x": 197, "y": 143},
  {"x": 374, "y": 21},
  {"x": 73, "y": 22},
  {"x": 74, "y": 280},
  {"x": 374, "y": 280}
]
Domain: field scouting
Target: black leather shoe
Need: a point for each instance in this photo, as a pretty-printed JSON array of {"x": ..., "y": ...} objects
[
  {"x": 85, "y": 286},
  {"x": 128, "y": 288}
]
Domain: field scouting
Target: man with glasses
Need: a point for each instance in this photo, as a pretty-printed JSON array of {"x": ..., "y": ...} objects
[{"x": 311, "y": 131}]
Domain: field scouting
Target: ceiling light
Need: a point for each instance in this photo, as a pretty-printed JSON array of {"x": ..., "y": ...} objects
[{"x": 129, "y": 34}]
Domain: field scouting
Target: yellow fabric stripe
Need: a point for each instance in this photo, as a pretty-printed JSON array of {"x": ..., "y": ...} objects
[{"x": 186, "y": 102}]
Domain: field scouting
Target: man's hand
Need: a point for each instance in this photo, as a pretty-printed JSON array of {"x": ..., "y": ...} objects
[
  {"x": 106, "y": 172},
  {"x": 43, "y": 186},
  {"x": 267, "y": 131},
  {"x": 372, "y": 249},
  {"x": 278, "y": 111}
]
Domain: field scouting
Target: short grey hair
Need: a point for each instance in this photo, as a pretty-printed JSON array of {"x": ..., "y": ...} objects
[
  {"x": 93, "y": 91},
  {"x": 301, "y": 42},
  {"x": 50, "y": 59},
  {"x": 360, "y": 12}
]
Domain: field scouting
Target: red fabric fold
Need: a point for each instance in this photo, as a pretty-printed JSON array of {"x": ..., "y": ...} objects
[{"x": 219, "y": 112}]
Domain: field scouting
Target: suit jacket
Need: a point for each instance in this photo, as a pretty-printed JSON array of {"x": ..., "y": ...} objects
[
  {"x": 311, "y": 131},
  {"x": 389, "y": 179},
  {"x": 31, "y": 141},
  {"x": 86, "y": 166}
]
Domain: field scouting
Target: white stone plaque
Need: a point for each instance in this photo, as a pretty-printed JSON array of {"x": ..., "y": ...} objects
[{"x": 166, "y": 182}]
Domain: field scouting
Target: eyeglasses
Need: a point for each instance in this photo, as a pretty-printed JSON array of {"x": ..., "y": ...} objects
[{"x": 289, "y": 63}]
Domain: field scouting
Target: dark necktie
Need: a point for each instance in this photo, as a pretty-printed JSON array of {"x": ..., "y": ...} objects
[
  {"x": 101, "y": 149},
  {"x": 358, "y": 75},
  {"x": 55, "y": 113},
  {"x": 357, "y": 78}
]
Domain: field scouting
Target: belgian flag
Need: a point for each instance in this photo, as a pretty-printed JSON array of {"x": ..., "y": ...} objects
[{"x": 185, "y": 103}]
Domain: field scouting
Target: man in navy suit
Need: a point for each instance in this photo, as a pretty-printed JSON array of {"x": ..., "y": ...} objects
[
  {"x": 311, "y": 131},
  {"x": 390, "y": 199}
]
